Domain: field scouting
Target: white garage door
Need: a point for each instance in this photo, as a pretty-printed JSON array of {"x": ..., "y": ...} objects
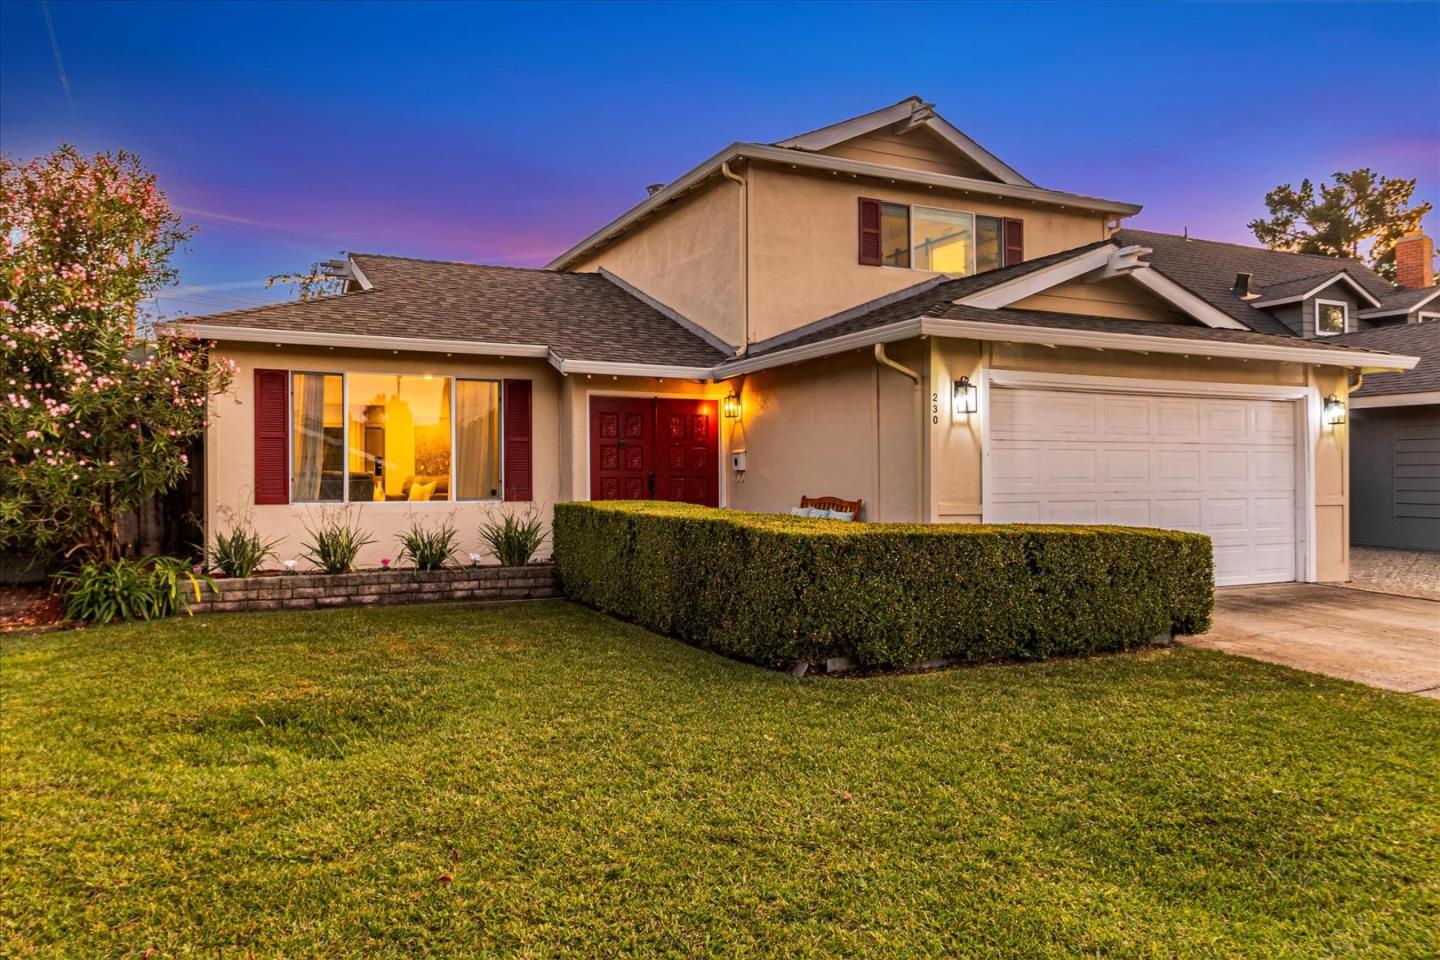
[{"x": 1222, "y": 467}]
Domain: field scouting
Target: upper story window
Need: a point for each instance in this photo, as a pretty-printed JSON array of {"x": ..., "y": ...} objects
[
  {"x": 1331, "y": 317},
  {"x": 917, "y": 237}
]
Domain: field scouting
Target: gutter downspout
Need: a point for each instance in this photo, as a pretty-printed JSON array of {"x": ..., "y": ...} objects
[
  {"x": 917, "y": 380},
  {"x": 729, "y": 174}
]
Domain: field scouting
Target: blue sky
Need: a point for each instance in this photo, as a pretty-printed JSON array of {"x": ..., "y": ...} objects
[{"x": 502, "y": 133}]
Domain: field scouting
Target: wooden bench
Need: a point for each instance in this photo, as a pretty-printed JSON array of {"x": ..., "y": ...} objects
[{"x": 833, "y": 503}]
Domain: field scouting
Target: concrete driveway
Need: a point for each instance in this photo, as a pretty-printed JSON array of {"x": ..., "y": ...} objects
[{"x": 1383, "y": 641}]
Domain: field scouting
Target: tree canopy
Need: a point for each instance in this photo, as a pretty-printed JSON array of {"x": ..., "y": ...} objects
[
  {"x": 98, "y": 412},
  {"x": 1339, "y": 219}
]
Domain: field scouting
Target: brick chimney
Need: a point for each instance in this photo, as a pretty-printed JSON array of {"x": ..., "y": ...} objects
[{"x": 1415, "y": 261}]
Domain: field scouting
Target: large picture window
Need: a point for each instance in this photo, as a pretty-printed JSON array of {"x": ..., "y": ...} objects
[
  {"x": 317, "y": 460},
  {"x": 477, "y": 440},
  {"x": 399, "y": 437}
]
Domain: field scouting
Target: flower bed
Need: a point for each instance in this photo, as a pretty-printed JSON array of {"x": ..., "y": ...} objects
[{"x": 308, "y": 591}]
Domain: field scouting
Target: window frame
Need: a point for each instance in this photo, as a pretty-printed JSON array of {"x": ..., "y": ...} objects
[
  {"x": 345, "y": 500},
  {"x": 290, "y": 431},
  {"x": 1344, "y": 306},
  {"x": 969, "y": 261},
  {"x": 455, "y": 426}
]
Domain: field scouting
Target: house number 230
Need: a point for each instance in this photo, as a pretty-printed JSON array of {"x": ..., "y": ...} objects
[{"x": 934, "y": 408}]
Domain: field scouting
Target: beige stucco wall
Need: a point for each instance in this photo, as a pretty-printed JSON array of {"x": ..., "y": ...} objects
[
  {"x": 1116, "y": 297},
  {"x": 230, "y": 450},
  {"x": 841, "y": 426},
  {"x": 803, "y": 242},
  {"x": 687, "y": 257}
]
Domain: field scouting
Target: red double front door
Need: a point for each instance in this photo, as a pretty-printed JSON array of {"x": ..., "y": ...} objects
[{"x": 654, "y": 449}]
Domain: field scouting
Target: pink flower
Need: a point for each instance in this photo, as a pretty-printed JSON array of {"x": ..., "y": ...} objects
[{"x": 385, "y": 562}]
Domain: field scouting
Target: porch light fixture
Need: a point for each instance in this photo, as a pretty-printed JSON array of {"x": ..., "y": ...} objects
[
  {"x": 967, "y": 397},
  {"x": 1334, "y": 410},
  {"x": 730, "y": 407}
]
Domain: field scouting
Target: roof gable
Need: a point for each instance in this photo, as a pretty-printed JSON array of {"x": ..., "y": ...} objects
[{"x": 908, "y": 134}]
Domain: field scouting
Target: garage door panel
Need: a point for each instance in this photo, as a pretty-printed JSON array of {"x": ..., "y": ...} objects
[{"x": 1226, "y": 468}]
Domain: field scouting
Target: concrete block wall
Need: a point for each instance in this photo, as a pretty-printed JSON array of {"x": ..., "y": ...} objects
[{"x": 311, "y": 591}]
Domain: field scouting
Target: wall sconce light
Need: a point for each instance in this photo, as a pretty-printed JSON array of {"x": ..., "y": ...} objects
[
  {"x": 967, "y": 397},
  {"x": 1334, "y": 410},
  {"x": 730, "y": 407}
]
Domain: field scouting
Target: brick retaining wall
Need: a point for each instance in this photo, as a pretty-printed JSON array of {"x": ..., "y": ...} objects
[{"x": 308, "y": 591}]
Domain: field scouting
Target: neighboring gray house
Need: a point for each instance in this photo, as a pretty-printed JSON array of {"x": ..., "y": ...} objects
[
  {"x": 1394, "y": 418},
  {"x": 1395, "y": 441}
]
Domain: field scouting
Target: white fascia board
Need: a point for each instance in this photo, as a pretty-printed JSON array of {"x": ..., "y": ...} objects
[
  {"x": 1399, "y": 311},
  {"x": 310, "y": 338},
  {"x": 860, "y": 168},
  {"x": 976, "y": 152},
  {"x": 1328, "y": 281},
  {"x": 1422, "y": 399},
  {"x": 1038, "y": 281},
  {"x": 1097, "y": 340},
  {"x": 611, "y": 368},
  {"x": 836, "y": 165},
  {"x": 671, "y": 191},
  {"x": 1185, "y": 301},
  {"x": 359, "y": 275},
  {"x": 837, "y": 133},
  {"x": 829, "y": 136},
  {"x": 901, "y": 330},
  {"x": 1060, "y": 337}
]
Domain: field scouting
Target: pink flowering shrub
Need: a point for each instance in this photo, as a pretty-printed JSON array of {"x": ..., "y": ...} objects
[{"x": 96, "y": 412}]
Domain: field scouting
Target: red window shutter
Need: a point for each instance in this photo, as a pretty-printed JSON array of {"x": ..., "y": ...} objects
[
  {"x": 870, "y": 232},
  {"x": 519, "y": 458},
  {"x": 272, "y": 436},
  {"x": 1014, "y": 242}
]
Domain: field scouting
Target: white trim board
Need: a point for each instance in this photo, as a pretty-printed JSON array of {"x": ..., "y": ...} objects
[
  {"x": 909, "y": 113},
  {"x": 1400, "y": 311},
  {"x": 311, "y": 338},
  {"x": 1061, "y": 337},
  {"x": 1108, "y": 261},
  {"x": 1420, "y": 399},
  {"x": 1328, "y": 281}
]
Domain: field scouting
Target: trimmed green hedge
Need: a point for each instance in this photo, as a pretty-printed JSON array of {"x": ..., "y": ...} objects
[{"x": 776, "y": 589}]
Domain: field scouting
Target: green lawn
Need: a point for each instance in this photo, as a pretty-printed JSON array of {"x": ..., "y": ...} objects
[{"x": 538, "y": 780}]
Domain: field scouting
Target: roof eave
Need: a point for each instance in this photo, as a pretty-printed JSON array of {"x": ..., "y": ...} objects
[
  {"x": 837, "y": 165},
  {"x": 1063, "y": 337}
]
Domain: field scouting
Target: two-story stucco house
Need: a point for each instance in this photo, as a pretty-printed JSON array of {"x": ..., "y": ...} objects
[{"x": 880, "y": 309}]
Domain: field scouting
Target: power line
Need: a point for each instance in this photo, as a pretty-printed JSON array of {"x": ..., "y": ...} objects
[{"x": 60, "y": 65}]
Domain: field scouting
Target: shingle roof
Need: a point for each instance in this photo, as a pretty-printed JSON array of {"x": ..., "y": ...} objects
[
  {"x": 1207, "y": 268},
  {"x": 1138, "y": 328},
  {"x": 1405, "y": 300},
  {"x": 1413, "y": 339},
  {"x": 581, "y": 316},
  {"x": 927, "y": 296},
  {"x": 1302, "y": 285}
]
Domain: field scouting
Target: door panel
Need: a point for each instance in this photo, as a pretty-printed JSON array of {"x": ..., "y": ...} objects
[
  {"x": 687, "y": 440},
  {"x": 621, "y": 448},
  {"x": 1220, "y": 466}
]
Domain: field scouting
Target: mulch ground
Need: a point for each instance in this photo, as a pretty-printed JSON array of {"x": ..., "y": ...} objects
[{"x": 29, "y": 607}]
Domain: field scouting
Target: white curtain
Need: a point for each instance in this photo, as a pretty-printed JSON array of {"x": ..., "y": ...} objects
[
  {"x": 310, "y": 438},
  {"x": 477, "y": 470}
]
